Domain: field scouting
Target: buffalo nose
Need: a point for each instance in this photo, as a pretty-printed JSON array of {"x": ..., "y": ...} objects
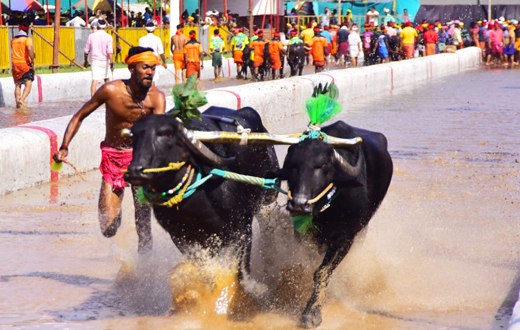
[
  {"x": 135, "y": 169},
  {"x": 299, "y": 207}
]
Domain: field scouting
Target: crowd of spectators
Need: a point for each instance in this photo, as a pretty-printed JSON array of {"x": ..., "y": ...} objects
[{"x": 79, "y": 17}]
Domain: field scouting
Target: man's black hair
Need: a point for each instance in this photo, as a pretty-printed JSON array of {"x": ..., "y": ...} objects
[
  {"x": 192, "y": 32},
  {"x": 180, "y": 26},
  {"x": 216, "y": 32},
  {"x": 150, "y": 23},
  {"x": 138, "y": 50}
]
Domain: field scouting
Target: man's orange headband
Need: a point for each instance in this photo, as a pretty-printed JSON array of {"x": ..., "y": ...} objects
[{"x": 142, "y": 57}]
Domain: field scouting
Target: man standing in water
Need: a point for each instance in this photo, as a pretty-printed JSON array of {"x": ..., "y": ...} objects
[
  {"x": 177, "y": 47},
  {"x": 22, "y": 59},
  {"x": 126, "y": 102}
]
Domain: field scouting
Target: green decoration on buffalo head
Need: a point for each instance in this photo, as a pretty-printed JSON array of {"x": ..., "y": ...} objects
[
  {"x": 323, "y": 106},
  {"x": 303, "y": 223},
  {"x": 187, "y": 100}
]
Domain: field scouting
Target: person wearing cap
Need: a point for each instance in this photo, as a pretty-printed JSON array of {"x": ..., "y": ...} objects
[
  {"x": 22, "y": 61},
  {"x": 354, "y": 44},
  {"x": 383, "y": 47},
  {"x": 495, "y": 45},
  {"x": 456, "y": 35},
  {"x": 326, "y": 34},
  {"x": 430, "y": 38},
  {"x": 194, "y": 55},
  {"x": 99, "y": 46},
  {"x": 276, "y": 51},
  {"x": 257, "y": 47},
  {"x": 482, "y": 36},
  {"x": 444, "y": 38},
  {"x": 216, "y": 48},
  {"x": 178, "y": 41},
  {"x": 388, "y": 17},
  {"x": 348, "y": 17},
  {"x": 408, "y": 37},
  {"x": 509, "y": 45},
  {"x": 155, "y": 43},
  {"x": 306, "y": 36},
  {"x": 517, "y": 41},
  {"x": 334, "y": 42},
  {"x": 317, "y": 46},
  {"x": 126, "y": 101},
  {"x": 238, "y": 44},
  {"x": 342, "y": 41},
  {"x": 367, "y": 44}
]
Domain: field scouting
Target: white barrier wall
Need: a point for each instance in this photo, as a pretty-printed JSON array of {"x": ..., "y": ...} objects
[
  {"x": 63, "y": 86},
  {"x": 25, "y": 152}
]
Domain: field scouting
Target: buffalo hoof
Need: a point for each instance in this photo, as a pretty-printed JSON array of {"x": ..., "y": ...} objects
[{"x": 311, "y": 318}]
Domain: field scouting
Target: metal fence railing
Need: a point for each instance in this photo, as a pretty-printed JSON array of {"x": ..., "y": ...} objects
[{"x": 357, "y": 19}]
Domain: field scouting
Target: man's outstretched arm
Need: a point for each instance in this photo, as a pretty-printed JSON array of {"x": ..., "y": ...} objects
[{"x": 99, "y": 98}]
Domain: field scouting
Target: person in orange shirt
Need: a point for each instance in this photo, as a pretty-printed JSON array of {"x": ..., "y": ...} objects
[
  {"x": 317, "y": 47},
  {"x": 194, "y": 55},
  {"x": 22, "y": 59},
  {"x": 258, "y": 48},
  {"x": 276, "y": 50}
]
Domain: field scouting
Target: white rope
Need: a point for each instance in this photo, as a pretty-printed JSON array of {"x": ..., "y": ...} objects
[
  {"x": 244, "y": 134},
  {"x": 315, "y": 127}
]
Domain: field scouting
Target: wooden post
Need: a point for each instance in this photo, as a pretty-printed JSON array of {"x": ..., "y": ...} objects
[
  {"x": 250, "y": 18},
  {"x": 339, "y": 13},
  {"x": 86, "y": 12},
  {"x": 47, "y": 5},
  {"x": 56, "y": 47}
]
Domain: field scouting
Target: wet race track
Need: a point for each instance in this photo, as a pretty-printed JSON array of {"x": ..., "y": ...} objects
[{"x": 442, "y": 252}]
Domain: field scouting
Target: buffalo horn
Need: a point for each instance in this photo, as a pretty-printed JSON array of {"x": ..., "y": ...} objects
[
  {"x": 201, "y": 150},
  {"x": 267, "y": 139},
  {"x": 353, "y": 171}
]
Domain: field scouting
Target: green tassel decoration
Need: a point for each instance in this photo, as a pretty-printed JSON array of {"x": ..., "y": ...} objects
[
  {"x": 140, "y": 196},
  {"x": 303, "y": 223},
  {"x": 322, "y": 108},
  {"x": 187, "y": 100}
]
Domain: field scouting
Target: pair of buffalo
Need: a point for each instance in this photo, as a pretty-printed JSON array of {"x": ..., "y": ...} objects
[
  {"x": 295, "y": 58},
  {"x": 224, "y": 209}
]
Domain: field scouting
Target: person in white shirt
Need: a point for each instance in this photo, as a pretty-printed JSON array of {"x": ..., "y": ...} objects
[
  {"x": 325, "y": 17},
  {"x": 154, "y": 42},
  {"x": 76, "y": 22},
  {"x": 372, "y": 16},
  {"x": 354, "y": 43}
]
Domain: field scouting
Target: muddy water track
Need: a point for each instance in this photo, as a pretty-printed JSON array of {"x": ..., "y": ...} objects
[{"x": 442, "y": 252}]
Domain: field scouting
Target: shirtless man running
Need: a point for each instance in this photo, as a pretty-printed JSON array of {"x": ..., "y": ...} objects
[
  {"x": 126, "y": 102},
  {"x": 178, "y": 41}
]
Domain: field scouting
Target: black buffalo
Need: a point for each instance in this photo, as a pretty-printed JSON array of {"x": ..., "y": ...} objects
[
  {"x": 361, "y": 176},
  {"x": 296, "y": 58},
  {"x": 219, "y": 214},
  {"x": 248, "y": 62}
]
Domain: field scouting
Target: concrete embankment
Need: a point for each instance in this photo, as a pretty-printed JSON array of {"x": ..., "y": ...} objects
[{"x": 25, "y": 150}]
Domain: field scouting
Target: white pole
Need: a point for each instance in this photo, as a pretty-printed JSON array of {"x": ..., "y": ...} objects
[
  {"x": 174, "y": 16},
  {"x": 489, "y": 11}
]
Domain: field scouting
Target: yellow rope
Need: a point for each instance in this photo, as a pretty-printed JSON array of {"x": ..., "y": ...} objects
[
  {"x": 170, "y": 167},
  {"x": 178, "y": 198},
  {"x": 314, "y": 200}
]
